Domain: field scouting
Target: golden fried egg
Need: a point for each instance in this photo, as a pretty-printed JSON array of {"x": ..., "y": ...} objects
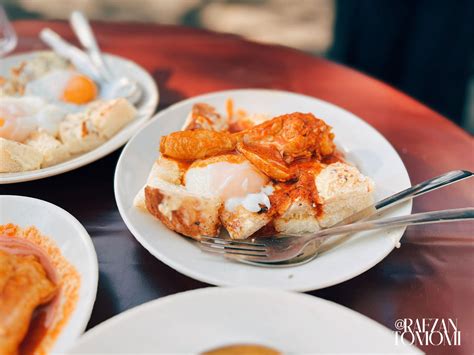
[{"x": 65, "y": 88}]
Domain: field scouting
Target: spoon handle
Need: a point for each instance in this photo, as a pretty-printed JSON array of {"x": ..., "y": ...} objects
[
  {"x": 417, "y": 190},
  {"x": 84, "y": 33},
  {"x": 407, "y": 194},
  {"x": 69, "y": 51},
  {"x": 424, "y": 187},
  {"x": 458, "y": 214}
]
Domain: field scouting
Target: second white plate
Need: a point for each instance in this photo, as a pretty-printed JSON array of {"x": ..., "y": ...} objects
[
  {"x": 146, "y": 107},
  {"x": 363, "y": 145},
  {"x": 200, "y": 320}
]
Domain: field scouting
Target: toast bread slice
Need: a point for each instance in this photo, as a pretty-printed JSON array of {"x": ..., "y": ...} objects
[
  {"x": 84, "y": 131},
  {"x": 17, "y": 157},
  {"x": 189, "y": 214},
  {"x": 242, "y": 223},
  {"x": 343, "y": 190},
  {"x": 54, "y": 152}
]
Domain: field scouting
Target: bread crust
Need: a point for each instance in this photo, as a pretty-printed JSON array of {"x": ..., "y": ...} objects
[
  {"x": 16, "y": 157},
  {"x": 298, "y": 219},
  {"x": 110, "y": 116},
  {"x": 204, "y": 116},
  {"x": 241, "y": 223},
  {"x": 84, "y": 131},
  {"x": 54, "y": 152},
  {"x": 343, "y": 190},
  {"x": 190, "y": 215},
  {"x": 78, "y": 135}
]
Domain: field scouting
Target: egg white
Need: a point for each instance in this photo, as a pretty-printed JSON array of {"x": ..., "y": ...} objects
[
  {"x": 51, "y": 86},
  {"x": 21, "y": 116},
  {"x": 236, "y": 183}
]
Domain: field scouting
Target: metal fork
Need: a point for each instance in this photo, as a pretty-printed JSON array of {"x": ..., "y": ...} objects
[
  {"x": 372, "y": 212},
  {"x": 285, "y": 248}
]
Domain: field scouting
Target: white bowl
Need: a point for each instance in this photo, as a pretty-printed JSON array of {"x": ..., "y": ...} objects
[{"x": 76, "y": 246}]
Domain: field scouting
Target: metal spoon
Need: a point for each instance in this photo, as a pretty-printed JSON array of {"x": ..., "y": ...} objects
[
  {"x": 113, "y": 89},
  {"x": 75, "y": 55},
  {"x": 121, "y": 86}
]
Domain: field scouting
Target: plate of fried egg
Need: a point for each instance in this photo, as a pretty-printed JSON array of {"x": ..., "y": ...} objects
[
  {"x": 54, "y": 118},
  {"x": 244, "y": 163}
]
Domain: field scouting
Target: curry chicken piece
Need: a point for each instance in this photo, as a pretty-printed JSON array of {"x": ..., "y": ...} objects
[
  {"x": 24, "y": 286},
  {"x": 270, "y": 146},
  {"x": 296, "y": 135},
  {"x": 267, "y": 159},
  {"x": 196, "y": 144}
]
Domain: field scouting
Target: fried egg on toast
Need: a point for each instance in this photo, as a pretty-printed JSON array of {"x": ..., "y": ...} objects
[{"x": 293, "y": 181}]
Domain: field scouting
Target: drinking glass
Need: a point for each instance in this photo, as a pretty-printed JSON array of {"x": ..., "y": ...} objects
[{"x": 8, "y": 38}]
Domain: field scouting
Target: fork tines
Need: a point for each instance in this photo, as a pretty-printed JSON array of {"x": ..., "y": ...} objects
[{"x": 234, "y": 247}]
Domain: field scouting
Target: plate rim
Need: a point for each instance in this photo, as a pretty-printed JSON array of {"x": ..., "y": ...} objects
[
  {"x": 88, "y": 157},
  {"x": 156, "y": 304},
  {"x": 187, "y": 271},
  {"x": 87, "y": 240}
]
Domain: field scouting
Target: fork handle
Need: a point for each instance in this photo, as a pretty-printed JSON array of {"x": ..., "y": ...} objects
[
  {"x": 417, "y": 190},
  {"x": 423, "y": 187},
  {"x": 458, "y": 214}
]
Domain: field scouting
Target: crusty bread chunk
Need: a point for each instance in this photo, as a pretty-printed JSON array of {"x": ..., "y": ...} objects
[
  {"x": 165, "y": 169},
  {"x": 53, "y": 150},
  {"x": 82, "y": 132},
  {"x": 169, "y": 170},
  {"x": 204, "y": 116},
  {"x": 298, "y": 219},
  {"x": 139, "y": 200},
  {"x": 242, "y": 223},
  {"x": 186, "y": 213},
  {"x": 16, "y": 157},
  {"x": 108, "y": 117},
  {"x": 78, "y": 135},
  {"x": 342, "y": 191}
]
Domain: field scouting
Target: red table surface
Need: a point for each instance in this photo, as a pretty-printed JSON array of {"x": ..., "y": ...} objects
[{"x": 430, "y": 276}]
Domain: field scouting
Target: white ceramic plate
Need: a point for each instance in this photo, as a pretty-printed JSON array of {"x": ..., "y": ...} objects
[
  {"x": 146, "y": 107},
  {"x": 76, "y": 246},
  {"x": 363, "y": 145},
  {"x": 200, "y": 320}
]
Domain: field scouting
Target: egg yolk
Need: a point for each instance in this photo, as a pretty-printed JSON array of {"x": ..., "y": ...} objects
[{"x": 79, "y": 90}]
